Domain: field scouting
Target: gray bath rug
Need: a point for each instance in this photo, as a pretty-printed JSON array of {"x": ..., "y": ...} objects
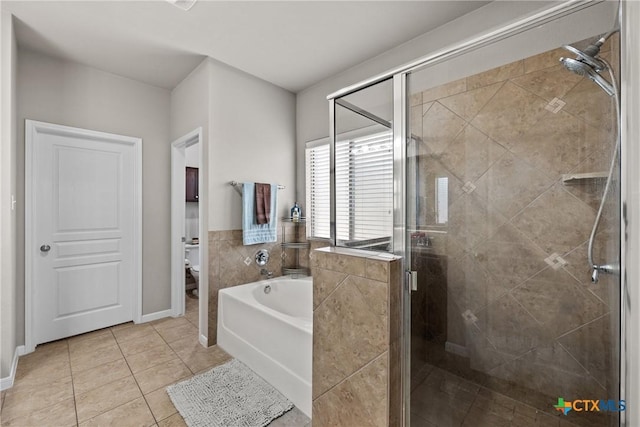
[{"x": 229, "y": 395}]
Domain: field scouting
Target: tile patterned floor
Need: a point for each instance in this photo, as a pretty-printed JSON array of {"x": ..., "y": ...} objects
[
  {"x": 442, "y": 399},
  {"x": 114, "y": 377}
]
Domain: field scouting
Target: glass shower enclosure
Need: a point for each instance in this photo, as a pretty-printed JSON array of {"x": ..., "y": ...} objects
[{"x": 486, "y": 171}]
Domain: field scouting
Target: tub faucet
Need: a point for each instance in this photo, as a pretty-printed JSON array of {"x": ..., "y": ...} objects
[{"x": 265, "y": 272}]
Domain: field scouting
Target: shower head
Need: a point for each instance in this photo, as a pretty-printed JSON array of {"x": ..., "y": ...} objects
[
  {"x": 588, "y": 56},
  {"x": 586, "y": 70},
  {"x": 588, "y": 64}
]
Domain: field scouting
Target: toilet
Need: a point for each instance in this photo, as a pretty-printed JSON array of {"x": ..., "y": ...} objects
[{"x": 192, "y": 263}]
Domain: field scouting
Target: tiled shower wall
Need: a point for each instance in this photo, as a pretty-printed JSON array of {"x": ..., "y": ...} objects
[
  {"x": 232, "y": 264},
  {"x": 506, "y": 279},
  {"x": 356, "y": 338}
]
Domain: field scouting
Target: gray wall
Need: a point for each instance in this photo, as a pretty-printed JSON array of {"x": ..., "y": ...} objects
[
  {"x": 252, "y": 139},
  {"x": 66, "y": 93},
  {"x": 9, "y": 309}
]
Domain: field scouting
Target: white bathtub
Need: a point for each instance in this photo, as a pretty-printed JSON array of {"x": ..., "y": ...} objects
[{"x": 271, "y": 333}]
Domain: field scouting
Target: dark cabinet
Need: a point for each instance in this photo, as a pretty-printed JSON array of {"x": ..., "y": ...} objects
[{"x": 192, "y": 184}]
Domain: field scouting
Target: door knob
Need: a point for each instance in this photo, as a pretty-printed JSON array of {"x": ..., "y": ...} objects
[{"x": 45, "y": 248}]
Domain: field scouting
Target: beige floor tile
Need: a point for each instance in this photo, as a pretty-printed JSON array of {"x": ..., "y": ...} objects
[
  {"x": 132, "y": 414},
  {"x": 83, "y": 360},
  {"x": 133, "y": 332},
  {"x": 141, "y": 344},
  {"x": 192, "y": 318},
  {"x": 179, "y": 332},
  {"x": 122, "y": 326},
  {"x": 293, "y": 418},
  {"x": 205, "y": 359},
  {"x": 106, "y": 397},
  {"x": 60, "y": 414},
  {"x": 175, "y": 420},
  {"x": 45, "y": 352},
  {"x": 23, "y": 399},
  {"x": 91, "y": 343},
  {"x": 169, "y": 322},
  {"x": 100, "y": 375},
  {"x": 161, "y": 375},
  {"x": 100, "y": 333},
  {"x": 54, "y": 368},
  {"x": 150, "y": 358},
  {"x": 160, "y": 404}
]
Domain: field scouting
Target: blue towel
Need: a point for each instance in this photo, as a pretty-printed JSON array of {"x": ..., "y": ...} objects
[{"x": 252, "y": 232}]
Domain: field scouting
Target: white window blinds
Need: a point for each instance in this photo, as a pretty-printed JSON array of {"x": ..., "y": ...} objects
[
  {"x": 364, "y": 191},
  {"x": 318, "y": 190}
]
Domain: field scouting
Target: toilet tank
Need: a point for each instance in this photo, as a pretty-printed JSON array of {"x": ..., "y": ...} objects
[{"x": 192, "y": 253}]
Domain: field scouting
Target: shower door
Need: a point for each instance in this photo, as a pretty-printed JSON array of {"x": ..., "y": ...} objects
[{"x": 505, "y": 174}]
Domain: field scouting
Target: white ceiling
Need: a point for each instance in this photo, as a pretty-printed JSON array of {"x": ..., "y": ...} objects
[{"x": 292, "y": 44}]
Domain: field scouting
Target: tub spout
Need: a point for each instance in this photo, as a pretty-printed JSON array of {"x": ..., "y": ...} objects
[{"x": 265, "y": 272}]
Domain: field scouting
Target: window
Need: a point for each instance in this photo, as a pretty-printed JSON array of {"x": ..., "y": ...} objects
[
  {"x": 364, "y": 189},
  {"x": 318, "y": 190}
]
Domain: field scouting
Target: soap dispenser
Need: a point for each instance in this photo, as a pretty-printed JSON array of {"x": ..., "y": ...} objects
[{"x": 296, "y": 213}]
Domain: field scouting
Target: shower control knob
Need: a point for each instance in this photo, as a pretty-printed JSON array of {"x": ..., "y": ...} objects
[{"x": 45, "y": 248}]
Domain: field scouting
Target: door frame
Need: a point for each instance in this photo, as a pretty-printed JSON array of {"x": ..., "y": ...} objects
[
  {"x": 178, "y": 209},
  {"x": 31, "y": 128}
]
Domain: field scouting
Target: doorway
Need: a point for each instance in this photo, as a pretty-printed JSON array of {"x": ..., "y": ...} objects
[{"x": 189, "y": 288}]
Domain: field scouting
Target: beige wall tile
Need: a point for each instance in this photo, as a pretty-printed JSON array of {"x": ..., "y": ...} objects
[
  {"x": 340, "y": 263},
  {"x": 549, "y": 83},
  {"x": 495, "y": 75},
  {"x": 544, "y": 60},
  {"x": 443, "y": 91},
  {"x": 439, "y": 127},
  {"x": 347, "y": 334},
  {"x": 470, "y": 154},
  {"x": 545, "y": 296},
  {"x": 511, "y": 184},
  {"x": 556, "y": 221},
  {"x": 377, "y": 270},
  {"x": 324, "y": 282},
  {"x": 509, "y": 113},
  {"x": 468, "y": 104}
]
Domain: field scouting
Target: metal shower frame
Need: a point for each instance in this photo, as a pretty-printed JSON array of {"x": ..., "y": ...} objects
[{"x": 400, "y": 134}]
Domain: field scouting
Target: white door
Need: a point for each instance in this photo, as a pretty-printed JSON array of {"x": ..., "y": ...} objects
[{"x": 83, "y": 219}]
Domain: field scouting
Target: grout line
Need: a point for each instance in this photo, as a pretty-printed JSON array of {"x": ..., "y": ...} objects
[
  {"x": 375, "y": 358},
  {"x": 73, "y": 388}
]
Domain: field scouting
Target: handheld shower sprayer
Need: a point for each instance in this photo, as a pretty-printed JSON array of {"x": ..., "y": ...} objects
[{"x": 588, "y": 64}]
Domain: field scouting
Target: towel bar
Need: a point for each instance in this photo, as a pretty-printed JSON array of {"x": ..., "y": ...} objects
[{"x": 238, "y": 186}]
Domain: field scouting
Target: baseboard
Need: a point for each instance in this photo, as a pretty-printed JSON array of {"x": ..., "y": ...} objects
[
  {"x": 203, "y": 340},
  {"x": 7, "y": 382},
  {"x": 458, "y": 349},
  {"x": 155, "y": 316}
]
